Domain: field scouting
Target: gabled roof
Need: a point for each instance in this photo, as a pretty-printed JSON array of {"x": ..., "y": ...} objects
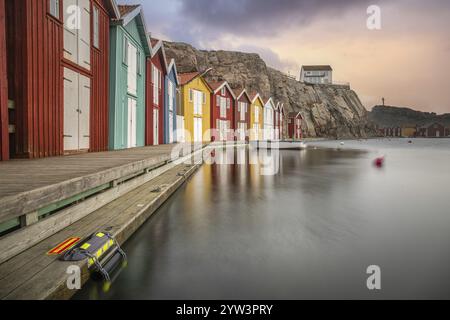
[
  {"x": 255, "y": 96},
  {"x": 240, "y": 92},
  {"x": 281, "y": 107},
  {"x": 185, "y": 78},
  {"x": 317, "y": 68},
  {"x": 112, "y": 7},
  {"x": 172, "y": 65},
  {"x": 126, "y": 9},
  {"x": 216, "y": 86},
  {"x": 127, "y": 14},
  {"x": 295, "y": 115},
  {"x": 158, "y": 45},
  {"x": 271, "y": 102}
]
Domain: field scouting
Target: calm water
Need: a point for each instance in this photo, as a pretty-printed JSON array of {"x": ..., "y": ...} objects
[{"x": 310, "y": 231}]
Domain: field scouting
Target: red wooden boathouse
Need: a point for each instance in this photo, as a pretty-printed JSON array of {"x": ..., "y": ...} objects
[
  {"x": 295, "y": 126},
  {"x": 222, "y": 110},
  {"x": 242, "y": 114},
  {"x": 4, "y": 139},
  {"x": 57, "y": 76},
  {"x": 155, "y": 88}
]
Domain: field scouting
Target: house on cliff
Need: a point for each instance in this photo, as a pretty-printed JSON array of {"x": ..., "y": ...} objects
[
  {"x": 54, "y": 77},
  {"x": 318, "y": 74}
]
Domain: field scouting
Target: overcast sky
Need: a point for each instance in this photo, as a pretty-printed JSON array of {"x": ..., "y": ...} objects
[{"x": 407, "y": 61}]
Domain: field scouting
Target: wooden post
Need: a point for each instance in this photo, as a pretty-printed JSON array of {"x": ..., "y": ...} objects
[{"x": 4, "y": 125}]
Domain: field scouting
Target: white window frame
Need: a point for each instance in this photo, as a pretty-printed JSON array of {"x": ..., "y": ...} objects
[
  {"x": 54, "y": 8},
  {"x": 223, "y": 107},
  {"x": 132, "y": 69},
  {"x": 96, "y": 27},
  {"x": 257, "y": 115},
  {"x": 198, "y": 106},
  {"x": 171, "y": 94},
  {"x": 243, "y": 111},
  {"x": 125, "y": 51},
  {"x": 156, "y": 79}
]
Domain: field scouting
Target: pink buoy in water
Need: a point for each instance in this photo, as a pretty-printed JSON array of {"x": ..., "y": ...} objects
[{"x": 379, "y": 162}]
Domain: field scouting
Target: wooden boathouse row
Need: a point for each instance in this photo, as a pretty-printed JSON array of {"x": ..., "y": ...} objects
[{"x": 103, "y": 84}]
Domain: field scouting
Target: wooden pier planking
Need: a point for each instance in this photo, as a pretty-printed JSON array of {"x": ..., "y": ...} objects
[
  {"x": 34, "y": 275},
  {"x": 28, "y": 185}
]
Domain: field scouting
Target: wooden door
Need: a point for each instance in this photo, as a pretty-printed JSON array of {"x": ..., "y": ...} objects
[
  {"x": 198, "y": 126},
  {"x": 132, "y": 129},
  {"x": 84, "y": 113},
  {"x": 71, "y": 103}
]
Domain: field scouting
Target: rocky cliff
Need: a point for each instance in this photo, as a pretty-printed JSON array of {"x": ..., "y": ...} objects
[
  {"x": 390, "y": 116},
  {"x": 329, "y": 111}
]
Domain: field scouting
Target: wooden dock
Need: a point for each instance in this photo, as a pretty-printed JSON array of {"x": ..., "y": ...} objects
[
  {"x": 47, "y": 195},
  {"x": 33, "y": 275},
  {"x": 138, "y": 181}
]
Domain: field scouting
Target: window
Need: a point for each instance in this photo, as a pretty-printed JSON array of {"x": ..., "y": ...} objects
[
  {"x": 197, "y": 97},
  {"x": 96, "y": 28},
  {"x": 171, "y": 95},
  {"x": 132, "y": 66},
  {"x": 54, "y": 8},
  {"x": 223, "y": 92},
  {"x": 77, "y": 37},
  {"x": 243, "y": 110},
  {"x": 156, "y": 80},
  {"x": 223, "y": 107},
  {"x": 139, "y": 64},
  {"x": 228, "y": 103},
  {"x": 125, "y": 51},
  {"x": 218, "y": 98},
  {"x": 191, "y": 95}
]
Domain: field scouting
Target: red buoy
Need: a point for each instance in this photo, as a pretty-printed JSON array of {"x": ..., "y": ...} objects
[{"x": 379, "y": 162}]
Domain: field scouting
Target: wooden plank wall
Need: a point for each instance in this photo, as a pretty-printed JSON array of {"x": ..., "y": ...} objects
[
  {"x": 34, "y": 60},
  {"x": 148, "y": 103},
  {"x": 36, "y": 56},
  {"x": 4, "y": 134},
  {"x": 99, "y": 117},
  {"x": 45, "y": 85}
]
